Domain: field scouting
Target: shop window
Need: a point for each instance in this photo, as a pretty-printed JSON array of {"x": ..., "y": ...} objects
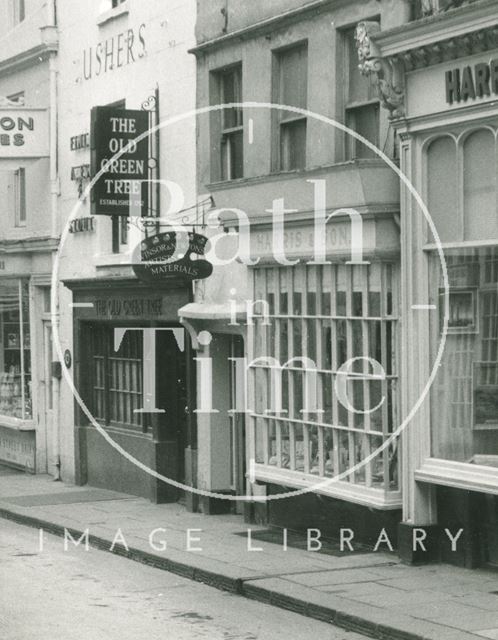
[
  {"x": 362, "y": 109},
  {"x": 116, "y": 377},
  {"x": 15, "y": 350},
  {"x": 229, "y": 84},
  {"x": 442, "y": 188},
  {"x": 291, "y": 88},
  {"x": 465, "y": 393},
  {"x": 328, "y": 315}
]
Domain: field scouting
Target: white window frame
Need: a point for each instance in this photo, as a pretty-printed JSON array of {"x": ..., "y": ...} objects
[
  {"x": 284, "y": 120},
  {"x": 228, "y": 133},
  {"x": 20, "y": 208},
  {"x": 266, "y": 462}
]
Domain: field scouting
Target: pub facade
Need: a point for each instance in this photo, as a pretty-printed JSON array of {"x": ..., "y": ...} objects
[{"x": 124, "y": 69}]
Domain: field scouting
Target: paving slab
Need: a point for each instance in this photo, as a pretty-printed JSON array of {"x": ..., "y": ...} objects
[{"x": 372, "y": 593}]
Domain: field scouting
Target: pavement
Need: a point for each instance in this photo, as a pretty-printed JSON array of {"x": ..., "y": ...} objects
[{"x": 370, "y": 593}]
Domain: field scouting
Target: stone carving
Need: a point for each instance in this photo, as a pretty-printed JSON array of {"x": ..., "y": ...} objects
[
  {"x": 387, "y": 76},
  {"x": 432, "y": 7}
]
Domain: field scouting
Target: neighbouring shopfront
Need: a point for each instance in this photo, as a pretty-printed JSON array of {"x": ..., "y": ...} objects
[
  {"x": 133, "y": 371},
  {"x": 319, "y": 406},
  {"x": 449, "y": 148},
  {"x": 26, "y": 389}
]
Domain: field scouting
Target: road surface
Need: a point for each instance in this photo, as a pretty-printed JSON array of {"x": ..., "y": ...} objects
[{"x": 79, "y": 595}]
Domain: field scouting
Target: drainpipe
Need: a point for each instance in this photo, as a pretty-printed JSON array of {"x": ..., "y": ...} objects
[{"x": 50, "y": 37}]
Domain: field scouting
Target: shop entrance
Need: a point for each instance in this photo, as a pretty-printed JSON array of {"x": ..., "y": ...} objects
[
  {"x": 116, "y": 365},
  {"x": 172, "y": 369},
  {"x": 237, "y": 428}
]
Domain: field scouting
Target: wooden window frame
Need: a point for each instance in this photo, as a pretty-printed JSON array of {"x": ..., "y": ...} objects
[
  {"x": 350, "y": 106},
  {"x": 330, "y": 443},
  {"x": 283, "y": 121},
  {"x": 102, "y": 395},
  {"x": 225, "y": 134}
]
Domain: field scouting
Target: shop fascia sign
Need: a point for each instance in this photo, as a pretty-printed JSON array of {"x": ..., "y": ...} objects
[
  {"x": 472, "y": 82},
  {"x": 154, "y": 258},
  {"x": 23, "y": 132},
  {"x": 122, "y": 188}
]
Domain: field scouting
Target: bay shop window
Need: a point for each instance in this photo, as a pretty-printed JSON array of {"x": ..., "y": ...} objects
[
  {"x": 320, "y": 318},
  {"x": 464, "y": 396},
  {"x": 15, "y": 350},
  {"x": 465, "y": 393}
]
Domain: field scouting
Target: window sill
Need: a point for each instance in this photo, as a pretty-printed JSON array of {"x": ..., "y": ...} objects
[
  {"x": 16, "y": 424},
  {"x": 111, "y": 14},
  {"x": 459, "y": 475},
  {"x": 342, "y": 490},
  {"x": 279, "y": 174}
]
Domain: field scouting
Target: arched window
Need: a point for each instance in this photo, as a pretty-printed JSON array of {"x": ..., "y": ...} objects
[
  {"x": 442, "y": 188},
  {"x": 479, "y": 158}
]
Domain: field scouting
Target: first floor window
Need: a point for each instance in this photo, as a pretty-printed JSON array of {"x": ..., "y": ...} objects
[
  {"x": 232, "y": 126},
  {"x": 20, "y": 197},
  {"x": 361, "y": 101},
  {"x": 323, "y": 347},
  {"x": 293, "y": 144},
  {"x": 464, "y": 404},
  {"x": 290, "y": 88},
  {"x": 364, "y": 120},
  {"x": 15, "y": 350}
]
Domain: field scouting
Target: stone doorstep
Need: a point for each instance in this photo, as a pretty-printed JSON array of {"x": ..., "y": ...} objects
[{"x": 352, "y": 616}]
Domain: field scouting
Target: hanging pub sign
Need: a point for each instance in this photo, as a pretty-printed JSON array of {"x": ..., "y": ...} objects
[
  {"x": 122, "y": 189},
  {"x": 151, "y": 257}
]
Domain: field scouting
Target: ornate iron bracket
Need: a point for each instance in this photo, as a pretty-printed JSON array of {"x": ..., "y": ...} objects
[{"x": 387, "y": 74}]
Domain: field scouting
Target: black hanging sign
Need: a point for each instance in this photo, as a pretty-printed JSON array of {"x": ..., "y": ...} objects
[
  {"x": 122, "y": 189},
  {"x": 151, "y": 257}
]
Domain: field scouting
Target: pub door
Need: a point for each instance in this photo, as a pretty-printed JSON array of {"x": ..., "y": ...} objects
[
  {"x": 237, "y": 428},
  {"x": 172, "y": 352}
]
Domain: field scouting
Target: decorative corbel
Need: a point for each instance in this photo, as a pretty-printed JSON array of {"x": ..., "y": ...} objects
[{"x": 387, "y": 74}]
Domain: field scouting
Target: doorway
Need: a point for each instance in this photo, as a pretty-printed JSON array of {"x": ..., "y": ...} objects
[{"x": 237, "y": 427}]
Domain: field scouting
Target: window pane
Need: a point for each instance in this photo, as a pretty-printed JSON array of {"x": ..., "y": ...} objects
[
  {"x": 365, "y": 121},
  {"x": 232, "y": 155},
  {"x": 359, "y": 88},
  {"x": 481, "y": 220},
  {"x": 231, "y": 91},
  {"x": 464, "y": 397},
  {"x": 293, "y": 81},
  {"x": 442, "y": 188},
  {"x": 293, "y": 145},
  {"x": 319, "y": 432},
  {"x": 15, "y": 352}
]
